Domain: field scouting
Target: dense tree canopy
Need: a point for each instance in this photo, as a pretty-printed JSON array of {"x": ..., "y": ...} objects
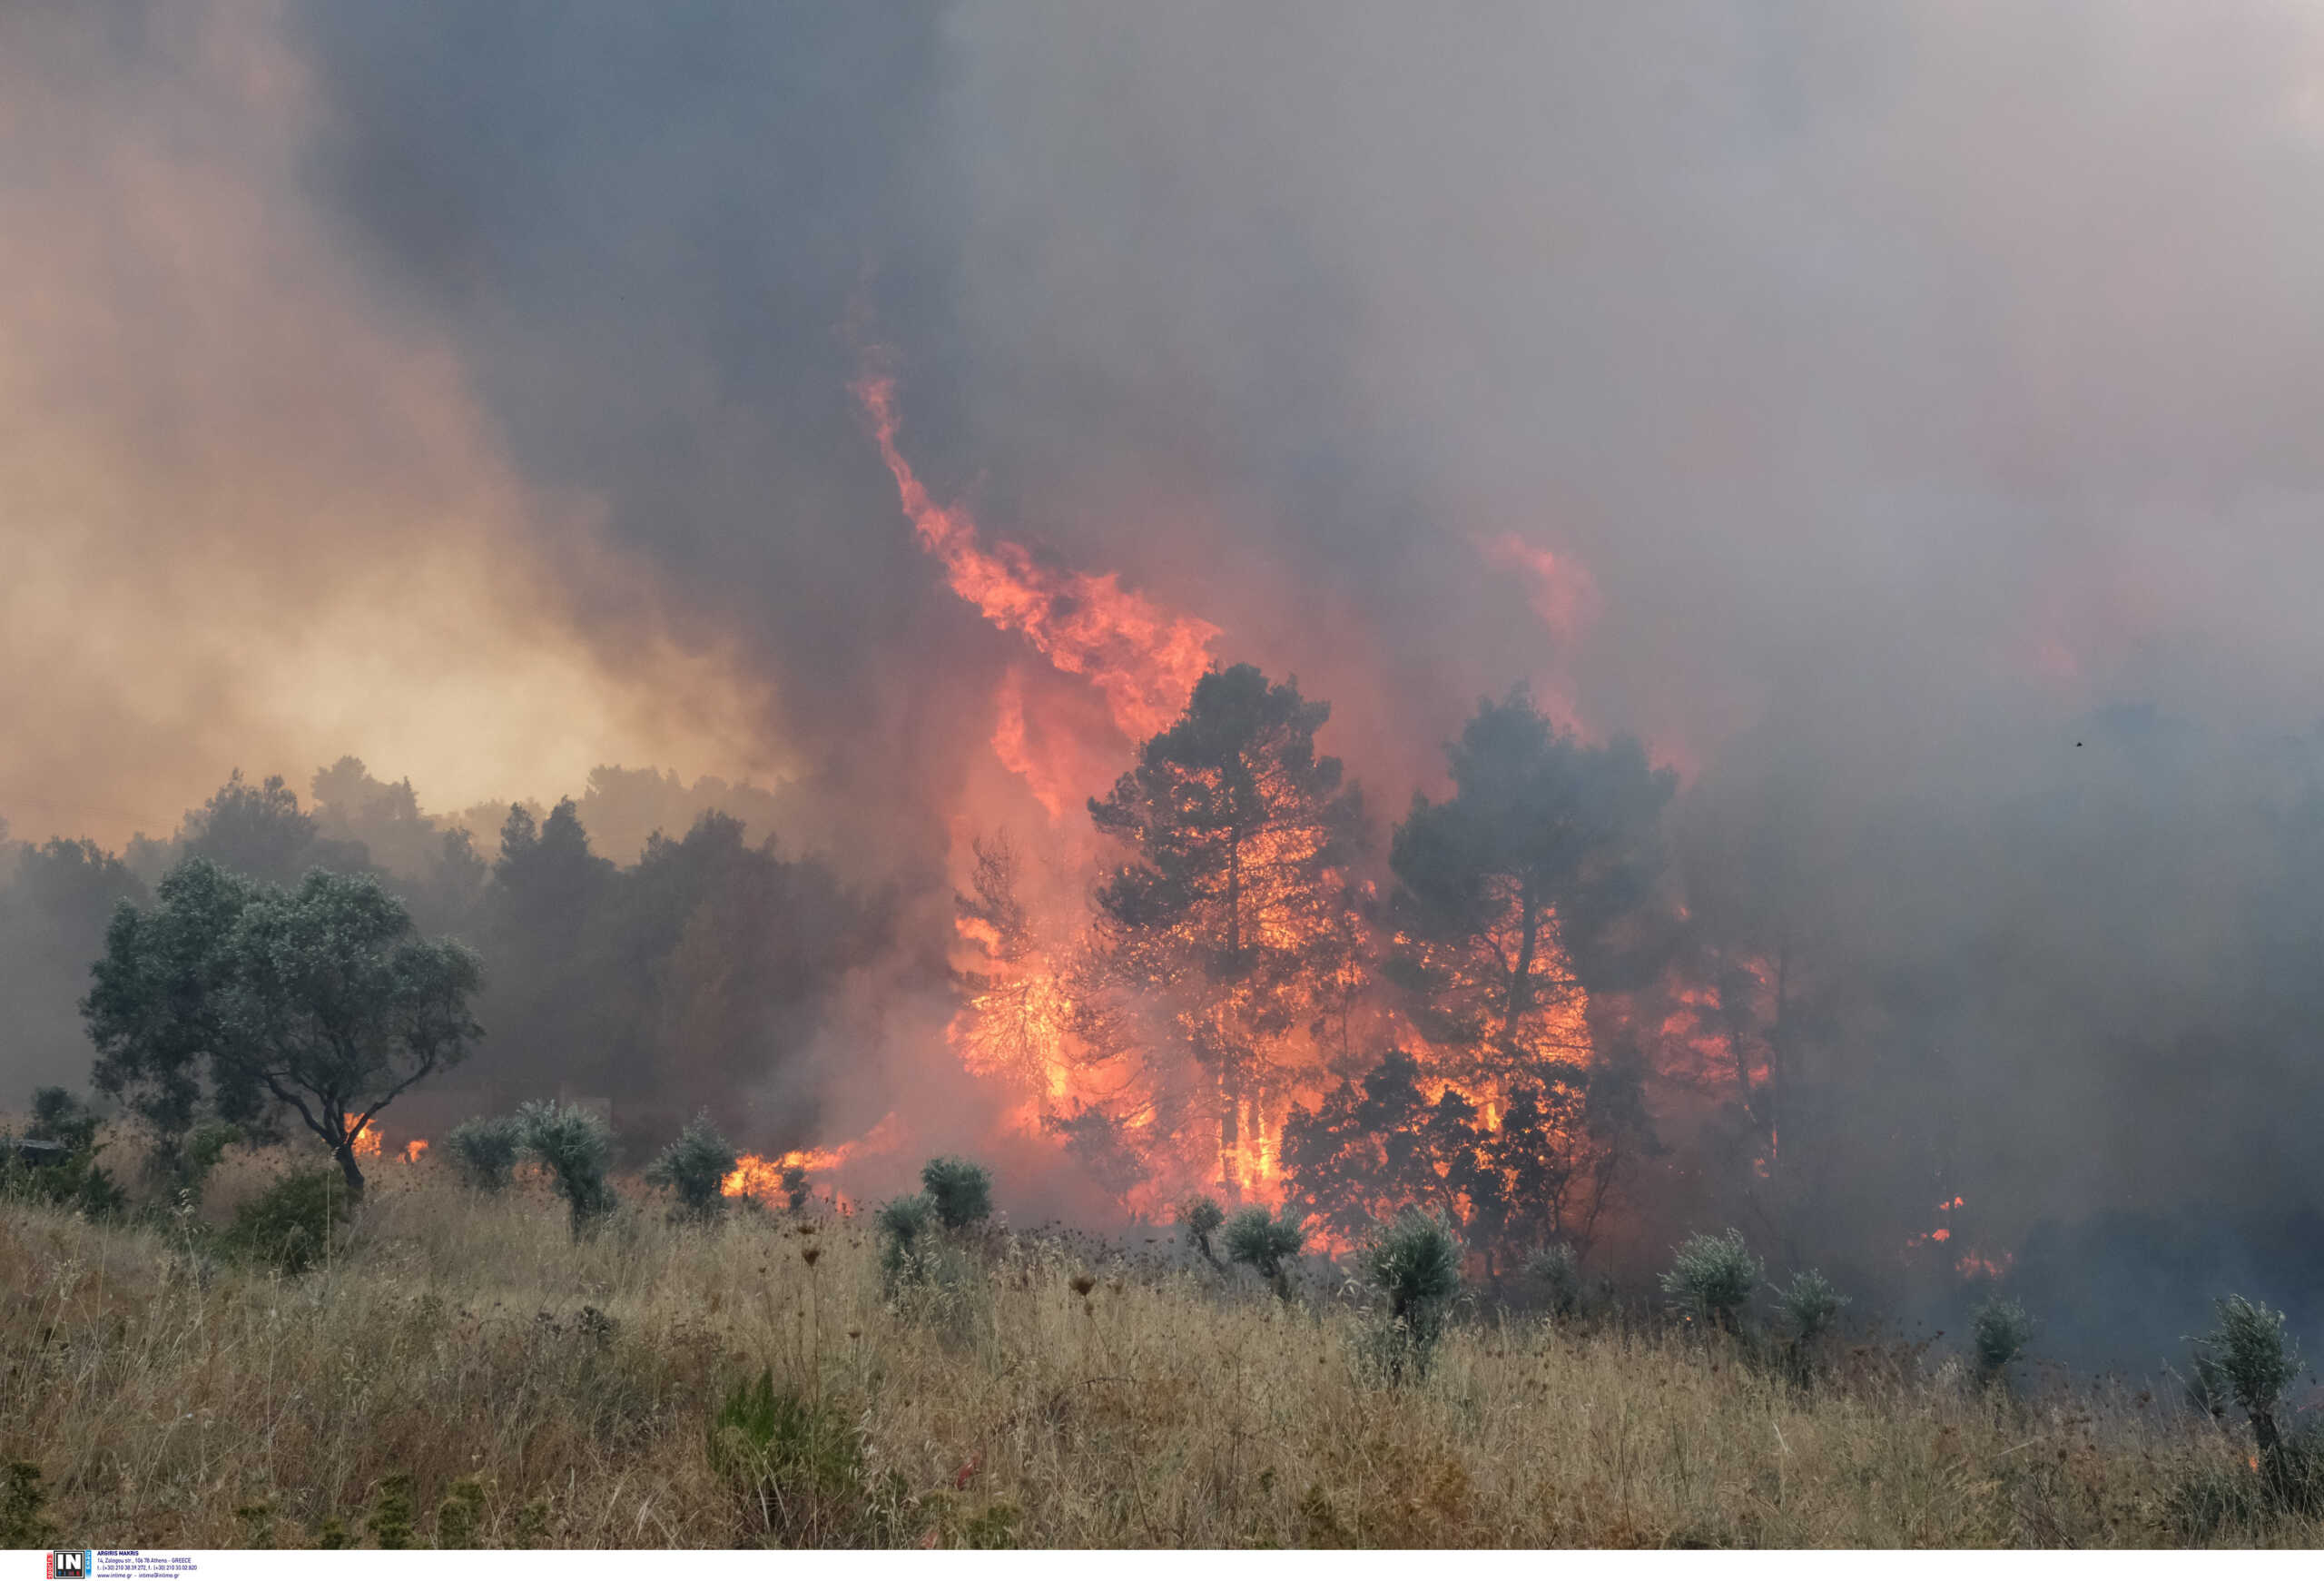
[{"x": 321, "y": 1002}]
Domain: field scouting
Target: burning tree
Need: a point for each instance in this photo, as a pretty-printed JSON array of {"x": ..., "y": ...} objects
[
  {"x": 1230, "y": 909},
  {"x": 1521, "y": 920}
]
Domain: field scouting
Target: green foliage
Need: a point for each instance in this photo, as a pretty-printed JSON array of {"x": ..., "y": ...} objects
[
  {"x": 1811, "y": 1304},
  {"x": 1711, "y": 1277},
  {"x": 205, "y": 1148},
  {"x": 577, "y": 1146},
  {"x": 460, "y": 1515},
  {"x": 332, "y": 1536},
  {"x": 800, "y": 1463},
  {"x": 390, "y": 1517},
  {"x": 795, "y": 1191},
  {"x": 695, "y": 1167},
  {"x": 1202, "y": 1217},
  {"x": 295, "y": 1223},
  {"x": 321, "y": 1002},
  {"x": 24, "y": 1503},
  {"x": 960, "y": 1192},
  {"x": 1999, "y": 1332},
  {"x": 1557, "y": 1270},
  {"x": 907, "y": 1228},
  {"x": 484, "y": 1150},
  {"x": 2249, "y": 1353},
  {"x": 1415, "y": 1263},
  {"x": 74, "y": 1181},
  {"x": 1268, "y": 1244}
]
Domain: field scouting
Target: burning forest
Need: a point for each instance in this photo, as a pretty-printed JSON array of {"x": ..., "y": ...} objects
[{"x": 1682, "y": 653}]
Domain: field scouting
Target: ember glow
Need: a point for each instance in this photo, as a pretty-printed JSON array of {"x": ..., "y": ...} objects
[{"x": 365, "y": 1140}]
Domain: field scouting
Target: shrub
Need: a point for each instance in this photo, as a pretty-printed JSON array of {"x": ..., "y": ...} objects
[
  {"x": 484, "y": 1150},
  {"x": 1415, "y": 1262},
  {"x": 1711, "y": 1277},
  {"x": 1202, "y": 1217},
  {"x": 1811, "y": 1305},
  {"x": 576, "y": 1146},
  {"x": 390, "y": 1517},
  {"x": 2249, "y": 1353},
  {"x": 793, "y": 1180},
  {"x": 460, "y": 1516},
  {"x": 1558, "y": 1271},
  {"x": 907, "y": 1229},
  {"x": 800, "y": 1463},
  {"x": 695, "y": 1167},
  {"x": 1266, "y": 1243},
  {"x": 1999, "y": 1332},
  {"x": 205, "y": 1148},
  {"x": 295, "y": 1223},
  {"x": 960, "y": 1192},
  {"x": 73, "y": 1181},
  {"x": 24, "y": 1523}
]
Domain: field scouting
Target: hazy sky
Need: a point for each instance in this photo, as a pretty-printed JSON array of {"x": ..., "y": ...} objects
[{"x": 466, "y": 388}]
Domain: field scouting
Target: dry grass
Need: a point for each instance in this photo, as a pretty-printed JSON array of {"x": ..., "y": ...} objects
[{"x": 170, "y": 1400}]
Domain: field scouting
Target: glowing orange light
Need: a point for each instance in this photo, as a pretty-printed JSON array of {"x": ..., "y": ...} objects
[{"x": 364, "y": 1140}]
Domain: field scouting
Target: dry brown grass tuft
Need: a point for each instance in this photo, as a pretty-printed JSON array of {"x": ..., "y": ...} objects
[{"x": 562, "y": 1394}]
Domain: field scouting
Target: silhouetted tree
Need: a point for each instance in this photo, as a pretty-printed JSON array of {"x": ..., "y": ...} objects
[{"x": 260, "y": 831}]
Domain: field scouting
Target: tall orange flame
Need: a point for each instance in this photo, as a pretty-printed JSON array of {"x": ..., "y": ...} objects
[{"x": 1144, "y": 660}]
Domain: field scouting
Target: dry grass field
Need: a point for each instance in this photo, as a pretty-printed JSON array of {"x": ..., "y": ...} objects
[{"x": 464, "y": 1373}]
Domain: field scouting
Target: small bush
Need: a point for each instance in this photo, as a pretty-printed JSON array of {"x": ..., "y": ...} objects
[
  {"x": 1267, "y": 1244},
  {"x": 800, "y": 1465},
  {"x": 484, "y": 1151},
  {"x": 1202, "y": 1217},
  {"x": 1416, "y": 1262},
  {"x": 1557, "y": 1270},
  {"x": 205, "y": 1149},
  {"x": 1999, "y": 1332},
  {"x": 295, "y": 1223},
  {"x": 76, "y": 1181},
  {"x": 695, "y": 1167},
  {"x": 1711, "y": 1277},
  {"x": 907, "y": 1228},
  {"x": 960, "y": 1192},
  {"x": 460, "y": 1516},
  {"x": 390, "y": 1517},
  {"x": 2248, "y": 1354},
  {"x": 24, "y": 1503},
  {"x": 576, "y": 1146},
  {"x": 1811, "y": 1304}
]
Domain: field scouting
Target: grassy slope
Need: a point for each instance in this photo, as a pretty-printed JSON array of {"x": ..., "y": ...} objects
[{"x": 161, "y": 1393}]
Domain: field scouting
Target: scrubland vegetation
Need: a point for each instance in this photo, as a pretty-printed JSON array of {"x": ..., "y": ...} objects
[{"x": 459, "y": 1367}]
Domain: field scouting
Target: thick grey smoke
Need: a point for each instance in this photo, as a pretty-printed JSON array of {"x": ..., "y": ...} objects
[{"x": 1862, "y": 405}]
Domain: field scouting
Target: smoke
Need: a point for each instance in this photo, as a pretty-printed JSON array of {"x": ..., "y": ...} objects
[{"x": 1863, "y": 407}]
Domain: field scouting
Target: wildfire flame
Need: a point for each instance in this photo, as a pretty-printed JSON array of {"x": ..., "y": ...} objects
[
  {"x": 760, "y": 1177},
  {"x": 364, "y": 1140},
  {"x": 413, "y": 1149},
  {"x": 1142, "y": 658}
]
